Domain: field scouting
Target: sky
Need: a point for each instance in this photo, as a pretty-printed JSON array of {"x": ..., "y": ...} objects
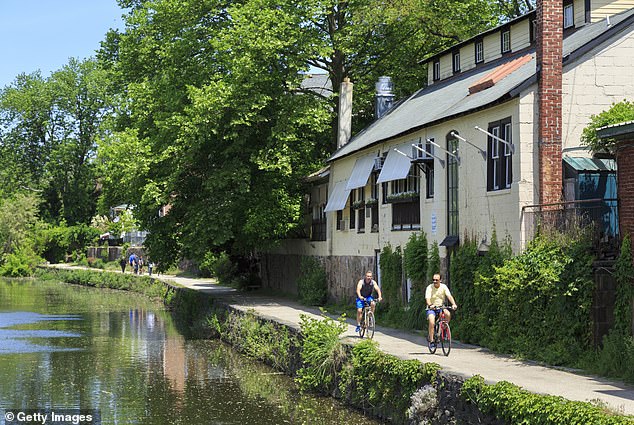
[{"x": 45, "y": 34}]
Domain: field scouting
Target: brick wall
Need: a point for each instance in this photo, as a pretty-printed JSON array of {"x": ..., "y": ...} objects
[
  {"x": 625, "y": 185},
  {"x": 549, "y": 64}
]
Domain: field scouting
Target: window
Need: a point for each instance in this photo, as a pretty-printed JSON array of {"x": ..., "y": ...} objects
[
  {"x": 429, "y": 172},
  {"x": 361, "y": 210},
  {"x": 374, "y": 206},
  {"x": 353, "y": 212},
  {"x": 436, "y": 69},
  {"x": 456, "y": 62},
  {"x": 500, "y": 156},
  {"x": 569, "y": 14},
  {"x": 532, "y": 30},
  {"x": 452, "y": 187},
  {"x": 406, "y": 211},
  {"x": 479, "y": 51},
  {"x": 506, "y": 41},
  {"x": 339, "y": 219}
]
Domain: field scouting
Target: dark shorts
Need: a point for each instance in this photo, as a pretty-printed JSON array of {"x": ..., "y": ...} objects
[{"x": 360, "y": 301}]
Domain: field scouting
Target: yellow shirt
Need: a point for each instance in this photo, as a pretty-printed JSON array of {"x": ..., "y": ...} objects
[{"x": 437, "y": 295}]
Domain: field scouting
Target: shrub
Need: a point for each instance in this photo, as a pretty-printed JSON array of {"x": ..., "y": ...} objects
[
  {"x": 618, "y": 113},
  {"x": 221, "y": 267},
  {"x": 312, "y": 282},
  {"x": 514, "y": 405},
  {"x": 20, "y": 263},
  {"x": 415, "y": 261},
  {"x": 391, "y": 275},
  {"x": 322, "y": 353}
]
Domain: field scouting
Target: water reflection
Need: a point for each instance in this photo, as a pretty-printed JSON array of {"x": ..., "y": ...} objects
[
  {"x": 16, "y": 337},
  {"x": 122, "y": 354}
]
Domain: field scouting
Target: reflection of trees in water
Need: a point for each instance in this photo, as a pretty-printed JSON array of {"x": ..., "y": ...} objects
[{"x": 258, "y": 381}]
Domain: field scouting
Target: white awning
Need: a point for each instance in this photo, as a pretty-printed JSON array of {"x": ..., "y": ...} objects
[
  {"x": 361, "y": 172},
  {"x": 338, "y": 198},
  {"x": 396, "y": 165}
]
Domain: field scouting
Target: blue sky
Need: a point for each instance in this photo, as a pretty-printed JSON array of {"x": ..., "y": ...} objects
[{"x": 44, "y": 34}]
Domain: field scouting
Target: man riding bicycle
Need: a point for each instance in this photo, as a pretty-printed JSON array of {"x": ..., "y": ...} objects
[
  {"x": 364, "y": 293},
  {"x": 435, "y": 295}
]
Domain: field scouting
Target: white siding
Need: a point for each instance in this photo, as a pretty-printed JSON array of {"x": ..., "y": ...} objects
[
  {"x": 520, "y": 35},
  {"x": 492, "y": 47},
  {"x": 603, "y": 8}
]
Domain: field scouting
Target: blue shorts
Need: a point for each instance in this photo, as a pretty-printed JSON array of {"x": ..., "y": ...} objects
[
  {"x": 360, "y": 301},
  {"x": 435, "y": 312}
]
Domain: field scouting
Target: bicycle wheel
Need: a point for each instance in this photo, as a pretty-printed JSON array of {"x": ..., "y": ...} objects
[
  {"x": 445, "y": 338},
  {"x": 370, "y": 324},
  {"x": 364, "y": 321},
  {"x": 432, "y": 347}
]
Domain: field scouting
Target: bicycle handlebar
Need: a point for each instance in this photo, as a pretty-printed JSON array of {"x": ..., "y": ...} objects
[{"x": 448, "y": 307}]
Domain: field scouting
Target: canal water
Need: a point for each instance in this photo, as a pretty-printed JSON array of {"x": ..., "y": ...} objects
[{"x": 121, "y": 355}]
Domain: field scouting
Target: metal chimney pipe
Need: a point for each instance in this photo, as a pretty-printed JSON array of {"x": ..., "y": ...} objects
[{"x": 384, "y": 96}]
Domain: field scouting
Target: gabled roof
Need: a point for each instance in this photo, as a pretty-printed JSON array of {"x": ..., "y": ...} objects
[{"x": 450, "y": 98}]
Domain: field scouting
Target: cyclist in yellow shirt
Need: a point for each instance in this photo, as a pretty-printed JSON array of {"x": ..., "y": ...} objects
[{"x": 435, "y": 295}]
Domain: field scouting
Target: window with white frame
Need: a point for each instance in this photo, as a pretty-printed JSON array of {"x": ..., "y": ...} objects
[
  {"x": 456, "y": 62},
  {"x": 436, "y": 70},
  {"x": 500, "y": 155},
  {"x": 429, "y": 171},
  {"x": 506, "y": 40},
  {"x": 569, "y": 14},
  {"x": 479, "y": 51}
]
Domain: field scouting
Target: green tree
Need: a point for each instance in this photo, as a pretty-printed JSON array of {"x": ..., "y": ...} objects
[
  {"x": 618, "y": 113},
  {"x": 50, "y": 128}
]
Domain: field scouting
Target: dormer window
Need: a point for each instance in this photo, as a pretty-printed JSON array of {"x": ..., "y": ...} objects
[
  {"x": 569, "y": 14},
  {"x": 456, "y": 62},
  {"x": 479, "y": 51},
  {"x": 506, "y": 40},
  {"x": 436, "y": 70}
]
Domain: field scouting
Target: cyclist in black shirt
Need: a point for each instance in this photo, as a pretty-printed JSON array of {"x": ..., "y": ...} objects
[{"x": 364, "y": 292}]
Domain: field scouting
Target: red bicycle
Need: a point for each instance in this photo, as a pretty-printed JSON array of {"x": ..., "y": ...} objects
[{"x": 442, "y": 331}]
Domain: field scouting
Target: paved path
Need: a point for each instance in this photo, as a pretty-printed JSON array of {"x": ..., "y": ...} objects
[{"x": 465, "y": 360}]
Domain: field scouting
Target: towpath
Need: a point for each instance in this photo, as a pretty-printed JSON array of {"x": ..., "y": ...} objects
[{"x": 465, "y": 360}]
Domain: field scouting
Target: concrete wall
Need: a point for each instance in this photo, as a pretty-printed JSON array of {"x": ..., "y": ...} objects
[{"x": 281, "y": 272}]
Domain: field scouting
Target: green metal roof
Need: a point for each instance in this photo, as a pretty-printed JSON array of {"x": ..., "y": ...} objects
[{"x": 590, "y": 164}]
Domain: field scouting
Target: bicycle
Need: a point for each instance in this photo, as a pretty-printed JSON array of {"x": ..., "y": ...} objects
[
  {"x": 367, "y": 321},
  {"x": 442, "y": 331}
]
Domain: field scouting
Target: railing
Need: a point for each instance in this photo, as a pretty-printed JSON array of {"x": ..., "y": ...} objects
[{"x": 574, "y": 217}]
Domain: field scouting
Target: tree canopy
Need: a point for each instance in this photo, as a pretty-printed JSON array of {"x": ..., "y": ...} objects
[{"x": 201, "y": 105}]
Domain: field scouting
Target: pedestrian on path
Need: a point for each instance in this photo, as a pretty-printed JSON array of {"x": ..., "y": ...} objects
[
  {"x": 123, "y": 263},
  {"x": 365, "y": 288}
]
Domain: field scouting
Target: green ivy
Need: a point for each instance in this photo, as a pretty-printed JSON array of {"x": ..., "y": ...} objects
[
  {"x": 415, "y": 261},
  {"x": 514, "y": 405},
  {"x": 391, "y": 275},
  {"x": 312, "y": 283},
  {"x": 381, "y": 382}
]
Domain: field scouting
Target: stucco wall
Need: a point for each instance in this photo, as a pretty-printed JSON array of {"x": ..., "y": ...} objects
[{"x": 593, "y": 82}]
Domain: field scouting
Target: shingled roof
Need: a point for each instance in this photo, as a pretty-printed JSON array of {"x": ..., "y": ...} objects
[{"x": 451, "y": 98}]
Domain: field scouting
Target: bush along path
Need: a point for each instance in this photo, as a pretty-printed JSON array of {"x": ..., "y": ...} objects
[{"x": 393, "y": 377}]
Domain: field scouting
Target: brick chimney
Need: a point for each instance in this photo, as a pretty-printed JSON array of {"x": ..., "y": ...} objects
[
  {"x": 345, "y": 113},
  {"x": 549, "y": 71}
]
